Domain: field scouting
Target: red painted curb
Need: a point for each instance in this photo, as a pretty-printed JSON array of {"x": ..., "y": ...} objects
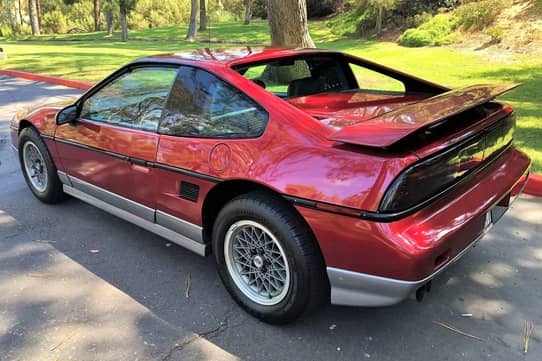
[
  {"x": 47, "y": 79},
  {"x": 533, "y": 187}
]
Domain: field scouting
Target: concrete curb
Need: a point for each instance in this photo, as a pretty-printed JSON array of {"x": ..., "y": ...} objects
[
  {"x": 533, "y": 187},
  {"x": 47, "y": 79}
]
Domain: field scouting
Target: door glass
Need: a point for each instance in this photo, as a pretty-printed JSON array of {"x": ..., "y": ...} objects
[
  {"x": 133, "y": 100},
  {"x": 202, "y": 105}
]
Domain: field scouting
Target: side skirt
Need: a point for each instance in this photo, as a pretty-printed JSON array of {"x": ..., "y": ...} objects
[{"x": 189, "y": 243}]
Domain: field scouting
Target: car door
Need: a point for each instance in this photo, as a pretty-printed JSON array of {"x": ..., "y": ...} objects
[
  {"x": 108, "y": 152},
  {"x": 206, "y": 120}
]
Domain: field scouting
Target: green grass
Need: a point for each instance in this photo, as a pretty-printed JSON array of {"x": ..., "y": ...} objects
[{"x": 92, "y": 56}]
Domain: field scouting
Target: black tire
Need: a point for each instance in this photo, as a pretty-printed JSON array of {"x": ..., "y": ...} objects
[
  {"x": 52, "y": 192},
  {"x": 308, "y": 286}
]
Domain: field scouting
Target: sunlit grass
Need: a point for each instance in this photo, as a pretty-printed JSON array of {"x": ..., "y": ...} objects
[{"x": 92, "y": 56}]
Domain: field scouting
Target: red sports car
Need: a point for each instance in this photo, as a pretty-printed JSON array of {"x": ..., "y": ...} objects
[{"x": 311, "y": 175}]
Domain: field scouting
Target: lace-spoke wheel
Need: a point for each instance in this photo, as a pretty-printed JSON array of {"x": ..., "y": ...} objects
[
  {"x": 34, "y": 166},
  {"x": 268, "y": 259},
  {"x": 38, "y": 167},
  {"x": 257, "y": 262}
]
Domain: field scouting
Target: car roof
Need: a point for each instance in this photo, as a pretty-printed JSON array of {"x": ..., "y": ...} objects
[{"x": 231, "y": 56}]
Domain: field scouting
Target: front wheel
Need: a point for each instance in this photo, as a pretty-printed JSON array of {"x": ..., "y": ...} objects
[
  {"x": 268, "y": 259},
  {"x": 38, "y": 167}
]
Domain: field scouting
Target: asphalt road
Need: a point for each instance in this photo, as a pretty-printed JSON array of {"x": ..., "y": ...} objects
[{"x": 77, "y": 283}]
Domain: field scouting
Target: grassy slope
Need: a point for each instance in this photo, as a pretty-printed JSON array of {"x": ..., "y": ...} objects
[{"x": 92, "y": 56}]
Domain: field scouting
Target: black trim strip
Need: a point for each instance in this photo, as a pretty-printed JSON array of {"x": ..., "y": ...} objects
[
  {"x": 187, "y": 172},
  {"x": 390, "y": 217},
  {"x": 48, "y": 137},
  {"x": 142, "y": 162}
]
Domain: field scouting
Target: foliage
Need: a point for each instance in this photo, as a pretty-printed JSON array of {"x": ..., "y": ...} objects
[
  {"x": 437, "y": 31},
  {"x": 496, "y": 34},
  {"x": 80, "y": 16},
  {"x": 478, "y": 15},
  {"x": 259, "y": 9},
  {"x": 158, "y": 13},
  {"x": 54, "y": 22},
  {"x": 320, "y": 8}
]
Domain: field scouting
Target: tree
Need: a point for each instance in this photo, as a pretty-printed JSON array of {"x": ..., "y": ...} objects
[
  {"x": 109, "y": 21},
  {"x": 192, "y": 27},
  {"x": 96, "y": 15},
  {"x": 288, "y": 23},
  {"x": 38, "y": 11},
  {"x": 202, "y": 16},
  {"x": 109, "y": 17},
  {"x": 381, "y": 6},
  {"x": 125, "y": 6},
  {"x": 248, "y": 12},
  {"x": 33, "y": 14}
]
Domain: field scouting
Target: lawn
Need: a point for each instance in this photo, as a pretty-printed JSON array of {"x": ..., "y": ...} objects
[{"x": 91, "y": 56}]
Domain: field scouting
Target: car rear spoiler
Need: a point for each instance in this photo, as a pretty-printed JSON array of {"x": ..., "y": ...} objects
[{"x": 389, "y": 128}]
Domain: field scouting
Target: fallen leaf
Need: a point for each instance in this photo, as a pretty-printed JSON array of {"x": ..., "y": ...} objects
[{"x": 187, "y": 287}]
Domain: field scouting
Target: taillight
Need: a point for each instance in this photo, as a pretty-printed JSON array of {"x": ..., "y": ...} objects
[{"x": 433, "y": 176}]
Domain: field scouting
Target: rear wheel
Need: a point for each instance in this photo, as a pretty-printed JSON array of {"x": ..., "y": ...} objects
[
  {"x": 268, "y": 259},
  {"x": 38, "y": 168}
]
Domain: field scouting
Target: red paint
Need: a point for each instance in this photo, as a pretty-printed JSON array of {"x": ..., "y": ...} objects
[
  {"x": 116, "y": 175},
  {"x": 407, "y": 249},
  {"x": 295, "y": 157},
  {"x": 391, "y": 127}
]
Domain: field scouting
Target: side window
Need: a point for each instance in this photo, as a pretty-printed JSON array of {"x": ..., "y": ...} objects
[
  {"x": 376, "y": 82},
  {"x": 133, "y": 100},
  {"x": 201, "y": 105},
  {"x": 277, "y": 76}
]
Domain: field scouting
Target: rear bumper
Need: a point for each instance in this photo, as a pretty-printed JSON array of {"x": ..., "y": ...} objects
[
  {"x": 379, "y": 264},
  {"x": 359, "y": 289}
]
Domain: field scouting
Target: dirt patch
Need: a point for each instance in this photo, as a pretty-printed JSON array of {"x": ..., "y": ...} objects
[{"x": 521, "y": 25}]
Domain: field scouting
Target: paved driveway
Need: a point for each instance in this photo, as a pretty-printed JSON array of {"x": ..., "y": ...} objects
[{"x": 78, "y": 283}]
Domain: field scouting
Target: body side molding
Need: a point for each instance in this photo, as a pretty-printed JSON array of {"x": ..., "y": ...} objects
[{"x": 175, "y": 229}]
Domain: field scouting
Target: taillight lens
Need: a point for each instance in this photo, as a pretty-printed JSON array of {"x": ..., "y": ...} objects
[{"x": 432, "y": 176}]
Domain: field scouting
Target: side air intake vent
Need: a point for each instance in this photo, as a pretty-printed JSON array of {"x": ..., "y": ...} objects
[{"x": 189, "y": 191}]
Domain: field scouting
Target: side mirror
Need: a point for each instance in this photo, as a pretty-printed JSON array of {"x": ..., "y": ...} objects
[{"x": 67, "y": 115}]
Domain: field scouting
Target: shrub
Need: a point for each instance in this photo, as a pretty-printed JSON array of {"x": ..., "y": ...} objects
[
  {"x": 259, "y": 9},
  {"x": 439, "y": 30},
  {"x": 80, "y": 16},
  {"x": 54, "y": 22},
  {"x": 496, "y": 34},
  {"x": 418, "y": 19},
  {"x": 350, "y": 23},
  {"x": 479, "y": 15}
]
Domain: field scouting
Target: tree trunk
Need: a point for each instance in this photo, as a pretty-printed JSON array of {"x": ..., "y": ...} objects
[
  {"x": 97, "y": 15},
  {"x": 109, "y": 21},
  {"x": 288, "y": 23},
  {"x": 248, "y": 12},
  {"x": 20, "y": 12},
  {"x": 124, "y": 24},
  {"x": 33, "y": 14},
  {"x": 192, "y": 27},
  {"x": 202, "y": 16},
  {"x": 379, "y": 19},
  {"x": 38, "y": 11}
]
